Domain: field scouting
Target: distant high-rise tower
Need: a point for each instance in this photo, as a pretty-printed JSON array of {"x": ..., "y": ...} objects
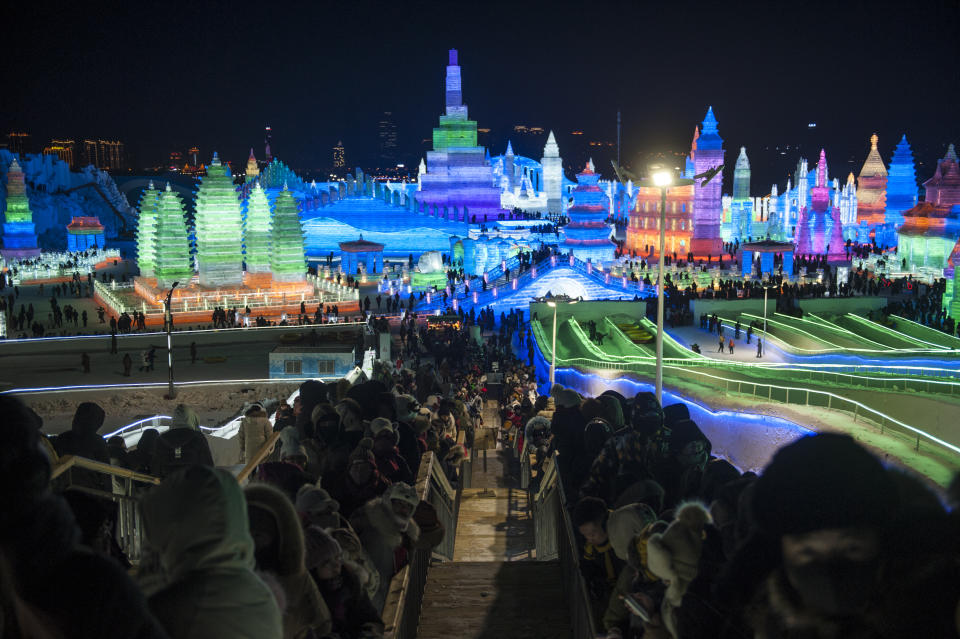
[
  {"x": 741, "y": 176},
  {"x": 253, "y": 170},
  {"x": 339, "y": 156},
  {"x": 194, "y": 154},
  {"x": 552, "y": 175},
  {"x": 267, "y": 139},
  {"x": 901, "y": 183},
  {"x": 387, "y": 139},
  {"x": 707, "y": 206},
  {"x": 219, "y": 228},
  {"x": 18, "y": 143},
  {"x": 872, "y": 187}
]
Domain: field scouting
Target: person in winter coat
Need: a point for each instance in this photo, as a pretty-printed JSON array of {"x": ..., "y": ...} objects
[
  {"x": 362, "y": 481},
  {"x": 358, "y": 559},
  {"x": 389, "y": 461},
  {"x": 281, "y": 554},
  {"x": 140, "y": 457},
  {"x": 599, "y": 564},
  {"x": 567, "y": 427},
  {"x": 181, "y": 446},
  {"x": 51, "y": 586},
  {"x": 386, "y": 529},
  {"x": 196, "y": 522},
  {"x": 352, "y": 614},
  {"x": 317, "y": 508},
  {"x": 255, "y": 430},
  {"x": 82, "y": 440}
]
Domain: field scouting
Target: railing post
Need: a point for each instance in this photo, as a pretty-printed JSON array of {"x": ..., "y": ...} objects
[{"x": 856, "y": 411}]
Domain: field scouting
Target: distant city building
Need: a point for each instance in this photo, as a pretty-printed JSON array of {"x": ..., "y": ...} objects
[
  {"x": 387, "y": 139},
  {"x": 18, "y": 143},
  {"x": 107, "y": 155},
  {"x": 66, "y": 150},
  {"x": 194, "y": 155},
  {"x": 339, "y": 156},
  {"x": 175, "y": 161}
]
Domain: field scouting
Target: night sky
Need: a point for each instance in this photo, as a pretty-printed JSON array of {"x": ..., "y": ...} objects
[{"x": 165, "y": 76}]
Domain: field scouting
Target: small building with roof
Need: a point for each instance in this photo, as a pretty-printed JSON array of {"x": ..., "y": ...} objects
[
  {"x": 765, "y": 251},
  {"x": 361, "y": 251},
  {"x": 84, "y": 233}
]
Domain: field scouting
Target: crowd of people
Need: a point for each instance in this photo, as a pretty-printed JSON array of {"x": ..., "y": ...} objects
[{"x": 678, "y": 543}]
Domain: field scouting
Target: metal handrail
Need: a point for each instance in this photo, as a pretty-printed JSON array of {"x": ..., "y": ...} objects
[
  {"x": 554, "y": 538},
  {"x": 73, "y": 461},
  {"x": 401, "y": 611}
]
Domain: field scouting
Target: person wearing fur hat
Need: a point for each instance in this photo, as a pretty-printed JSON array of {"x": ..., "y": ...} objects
[
  {"x": 674, "y": 557},
  {"x": 387, "y": 530},
  {"x": 352, "y": 614},
  {"x": 410, "y": 444},
  {"x": 281, "y": 555},
  {"x": 317, "y": 508},
  {"x": 625, "y": 526},
  {"x": 361, "y": 482},
  {"x": 255, "y": 430},
  {"x": 599, "y": 564},
  {"x": 358, "y": 559},
  {"x": 389, "y": 461}
]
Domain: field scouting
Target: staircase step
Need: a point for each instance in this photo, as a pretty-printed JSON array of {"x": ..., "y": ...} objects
[
  {"x": 494, "y": 525},
  {"x": 481, "y": 600}
]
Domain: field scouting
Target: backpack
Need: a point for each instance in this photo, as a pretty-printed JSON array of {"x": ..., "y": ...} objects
[{"x": 180, "y": 448}]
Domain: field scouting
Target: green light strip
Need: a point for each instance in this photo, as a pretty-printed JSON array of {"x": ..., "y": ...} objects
[{"x": 915, "y": 340}]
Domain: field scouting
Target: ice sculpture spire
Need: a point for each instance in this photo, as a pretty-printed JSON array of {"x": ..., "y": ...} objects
[
  {"x": 147, "y": 231},
  {"x": 454, "y": 89},
  {"x": 741, "y": 176},
  {"x": 872, "y": 187},
  {"x": 253, "y": 170},
  {"x": 287, "y": 261},
  {"x": 707, "y": 204},
  {"x": 901, "y": 183},
  {"x": 256, "y": 231},
  {"x": 19, "y": 231},
  {"x": 509, "y": 148},
  {"x": 552, "y": 175},
  {"x": 219, "y": 228},
  {"x": 172, "y": 246}
]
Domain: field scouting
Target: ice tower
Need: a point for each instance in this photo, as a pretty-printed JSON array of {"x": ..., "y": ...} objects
[
  {"x": 741, "y": 177},
  {"x": 19, "y": 232},
  {"x": 147, "y": 231},
  {"x": 253, "y": 170},
  {"x": 587, "y": 234},
  {"x": 287, "y": 261},
  {"x": 872, "y": 187},
  {"x": 458, "y": 183},
  {"x": 172, "y": 247},
  {"x": 219, "y": 227},
  {"x": 901, "y": 183},
  {"x": 552, "y": 175},
  {"x": 256, "y": 231},
  {"x": 819, "y": 230},
  {"x": 707, "y": 207}
]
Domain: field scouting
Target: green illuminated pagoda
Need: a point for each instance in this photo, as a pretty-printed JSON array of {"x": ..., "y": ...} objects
[
  {"x": 287, "y": 260},
  {"x": 172, "y": 248},
  {"x": 219, "y": 228},
  {"x": 256, "y": 231},
  {"x": 147, "y": 231}
]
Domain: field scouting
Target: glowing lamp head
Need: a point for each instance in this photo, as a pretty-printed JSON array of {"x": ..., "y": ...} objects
[{"x": 662, "y": 178}]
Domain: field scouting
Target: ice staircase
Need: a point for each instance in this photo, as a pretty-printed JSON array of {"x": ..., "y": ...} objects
[{"x": 494, "y": 587}]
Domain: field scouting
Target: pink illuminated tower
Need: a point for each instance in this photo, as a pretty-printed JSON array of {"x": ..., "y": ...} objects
[
  {"x": 707, "y": 207},
  {"x": 819, "y": 230}
]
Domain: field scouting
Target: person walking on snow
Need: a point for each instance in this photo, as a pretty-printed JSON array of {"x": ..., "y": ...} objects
[
  {"x": 730, "y": 346},
  {"x": 759, "y": 347},
  {"x": 720, "y": 350}
]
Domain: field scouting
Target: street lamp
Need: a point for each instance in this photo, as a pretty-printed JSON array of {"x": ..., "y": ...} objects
[
  {"x": 766, "y": 288},
  {"x": 552, "y": 303},
  {"x": 171, "y": 391},
  {"x": 663, "y": 179}
]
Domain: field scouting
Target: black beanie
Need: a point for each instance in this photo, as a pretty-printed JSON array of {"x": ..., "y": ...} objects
[
  {"x": 819, "y": 482},
  {"x": 89, "y": 418}
]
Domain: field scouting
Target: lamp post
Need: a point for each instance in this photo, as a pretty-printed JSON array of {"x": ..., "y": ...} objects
[
  {"x": 765, "y": 289},
  {"x": 663, "y": 179},
  {"x": 171, "y": 391},
  {"x": 553, "y": 349}
]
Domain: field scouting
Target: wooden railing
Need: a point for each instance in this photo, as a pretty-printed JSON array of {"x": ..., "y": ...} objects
[
  {"x": 72, "y": 461},
  {"x": 259, "y": 457},
  {"x": 401, "y": 612},
  {"x": 554, "y": 538}
]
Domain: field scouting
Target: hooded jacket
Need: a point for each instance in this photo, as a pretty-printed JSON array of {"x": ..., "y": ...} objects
[
  {"x": 305, "y": 610},
  {"x": 181, "y": 446},
  {"x": 196, "y": 521},
  {"x": 82, "y": 440},
  {"x": 255, "y": 430}
]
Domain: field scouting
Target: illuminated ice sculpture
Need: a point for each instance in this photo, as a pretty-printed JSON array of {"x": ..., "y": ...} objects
[
  {"x": 458, "y": 183},
  {"x": 147, "y": 230},
  {"x": 219, "y": 228},
  {"x": 19, "y": 232},
  {"x": 819, "y": 230},
  {"x": 172, "y": 252},
  {"x": 901, "y": 183},
  {"x": 287, "y": 261},
  {"x": 587, "y": 235},
  {"x": 256, "y": 231},
  {"x": 707, "y": 207}
]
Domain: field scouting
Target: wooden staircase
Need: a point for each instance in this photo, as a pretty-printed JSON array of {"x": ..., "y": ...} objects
[{"x": 494, "y": 588}]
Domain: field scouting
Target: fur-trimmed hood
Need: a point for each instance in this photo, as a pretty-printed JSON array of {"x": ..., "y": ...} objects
[
  {"x": 291, "y": 547},
  {"x": 379, "y": 515}
]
